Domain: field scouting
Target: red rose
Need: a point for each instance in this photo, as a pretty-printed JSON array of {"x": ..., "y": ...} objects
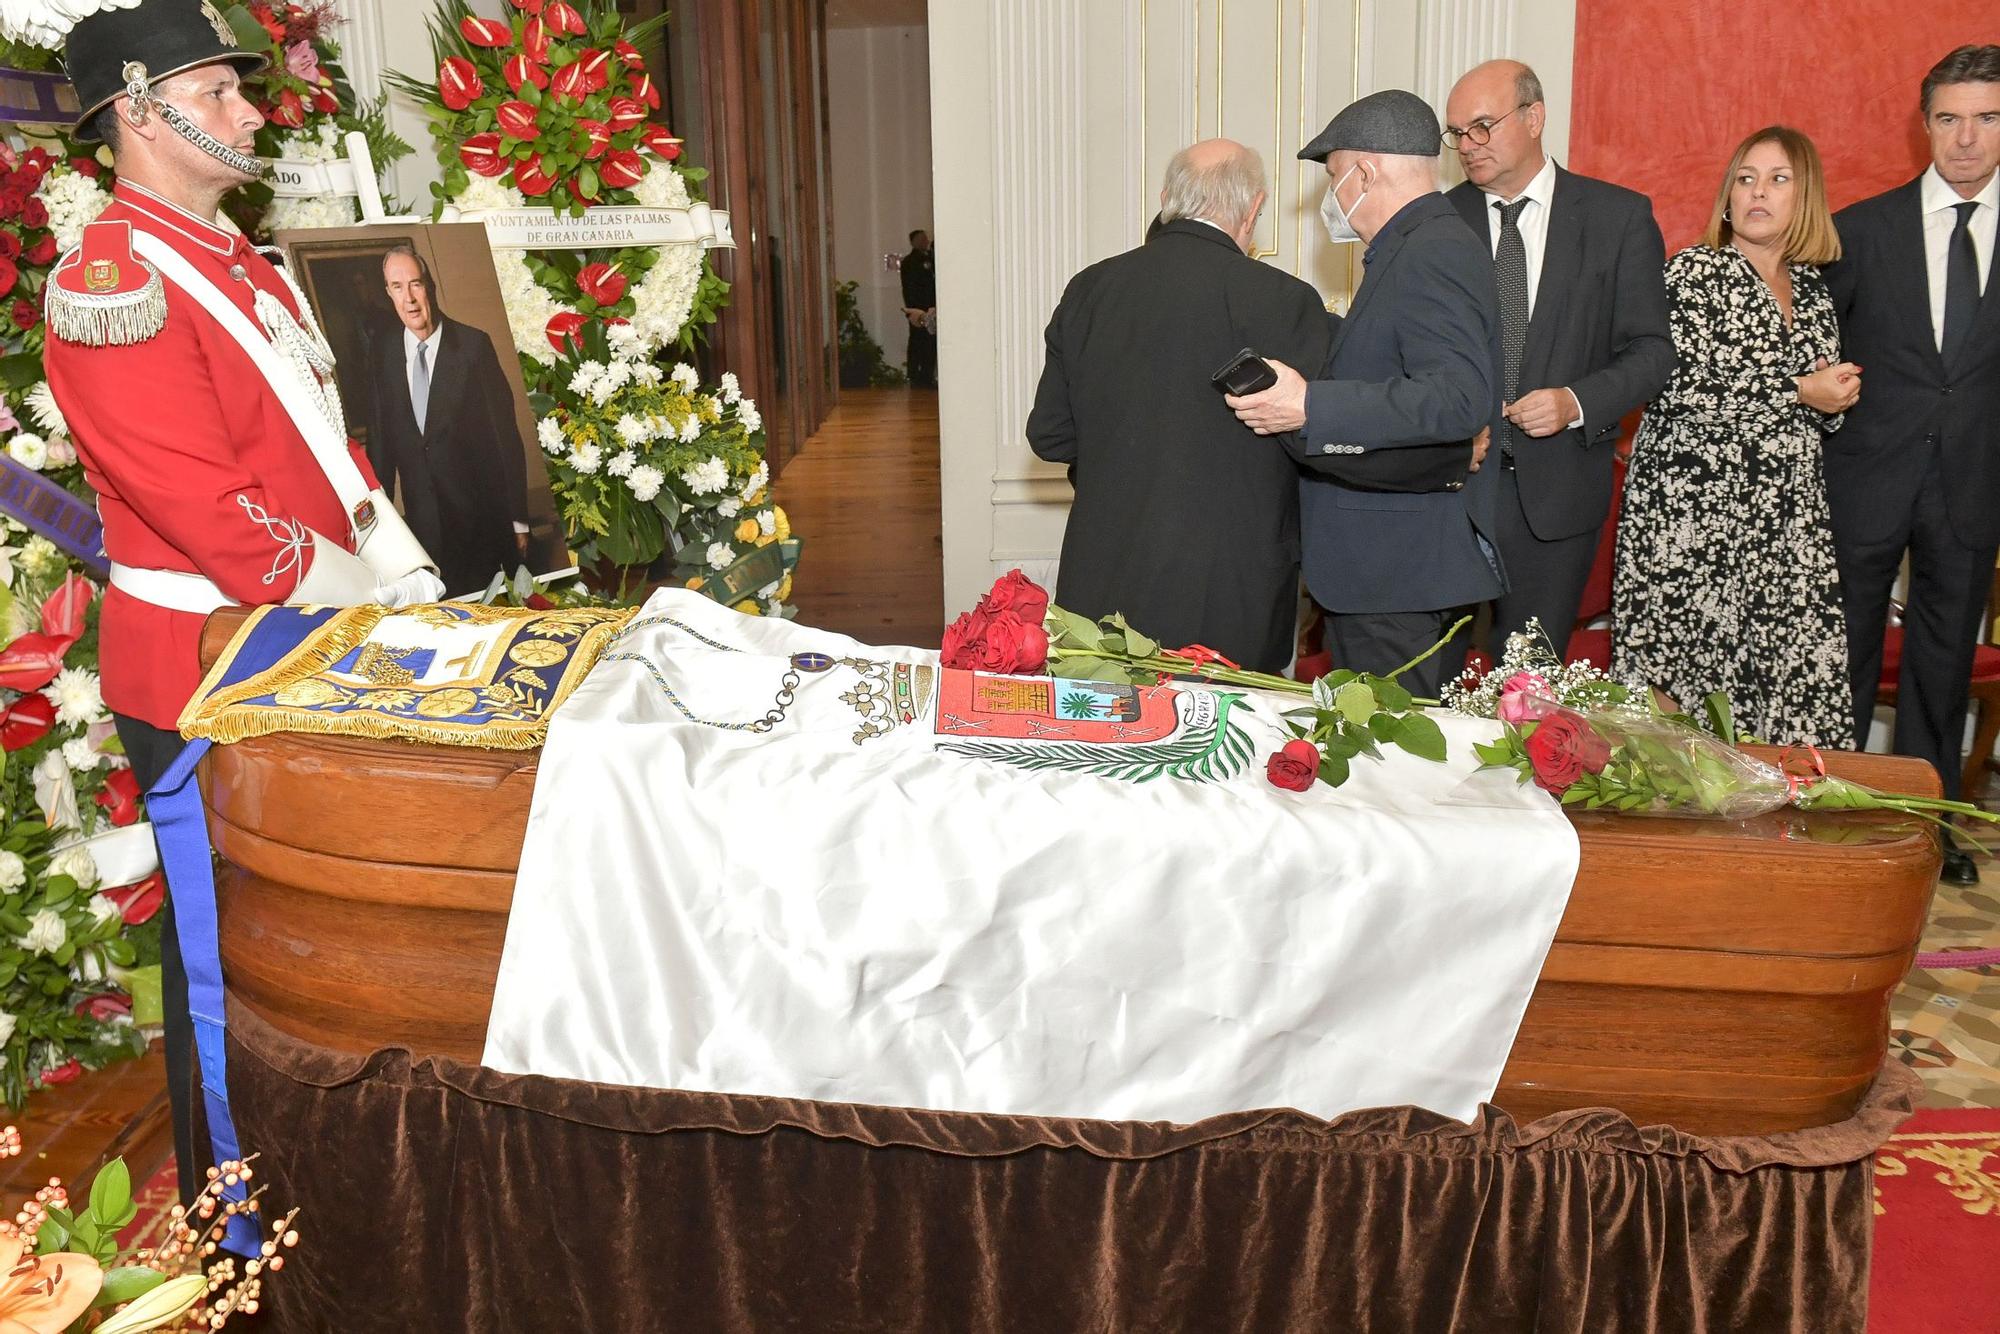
[
  {"x": 288, "y": 111},
  {"x": 570, "y": 83},
  {"x": 596, "y": 138},
  {"x": 565, "y": 331},
  {"x": 12, "y": 200},
  {"x": 9, "y": 275},
  {"x": 626, "y": 113},
  {"x": 137, "y": 903},
  {"x": 622, "y": 169},
  {"x": 518, "y": 120},
  {"x": 520, "y": 70},
  {"x": 26, "y": 314},
  {"x": 458, "y": 83},
  {"x": 63, "y": 1073},
  {"x": 34, "y": 213},
  {"x": 120, "y": 797},
  {"x": 601, "y": 283},
  {"x": 26, "y": 721},
  {"x": 1016, "y": 595},
  {"x": 42, "y": 251},
  {"x": 629, "y": 54},
  {"x": 1562, "y": 748},
  {"x": 1294, "y": 767},
  {"x": 10, "y": 244},
  {"x": 662, "y": 144},
  {"x": 481, "y": 154},
  {"x": 531, "y": 179},
  {"x": 596, "y": 67},
  {"x": 562, "y": 16},
  {"x": 86, "y": 166},
  {"x": 643, "y": 89},
  {"x": 485, "y": 32},
  {"x": 39, "y": 160},
  {"x": 535, "y": 40},
  {"x": 104, "y": 1008},
  {"x": 995, "y": 642}
]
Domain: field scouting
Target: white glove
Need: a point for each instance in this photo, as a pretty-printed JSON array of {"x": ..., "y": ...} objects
[{"x": 418, "y": 586}]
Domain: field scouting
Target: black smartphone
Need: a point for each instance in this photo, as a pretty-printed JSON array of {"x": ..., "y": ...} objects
[{"x": 1246, "y": 373}]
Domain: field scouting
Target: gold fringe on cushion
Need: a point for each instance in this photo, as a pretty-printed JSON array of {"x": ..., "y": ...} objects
[{"x": 106, "y": 319}]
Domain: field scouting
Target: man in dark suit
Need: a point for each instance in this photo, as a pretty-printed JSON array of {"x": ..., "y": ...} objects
[
  {"x": 1181, "y": 521},
  {"x": 1916, "y": 467},
  {"x": 1412, "y": 368},
  {"x": 442, "y": 434},
  {"x": 919, "y": 274},
  {"x": 1583, "y": 337}
]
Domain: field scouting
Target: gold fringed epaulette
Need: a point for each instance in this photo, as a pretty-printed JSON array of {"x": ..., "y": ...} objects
[{"x": 103, "y": 295}]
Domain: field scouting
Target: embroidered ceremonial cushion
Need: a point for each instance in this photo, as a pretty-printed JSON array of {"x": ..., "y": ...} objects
[{"x": 450, "y": 673}]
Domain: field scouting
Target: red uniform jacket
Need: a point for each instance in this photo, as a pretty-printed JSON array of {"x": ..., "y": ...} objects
[{"x": 196, "y": 464}]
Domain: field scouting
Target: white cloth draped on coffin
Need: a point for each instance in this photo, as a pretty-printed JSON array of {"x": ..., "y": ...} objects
[{"x": 882, "y": 920}]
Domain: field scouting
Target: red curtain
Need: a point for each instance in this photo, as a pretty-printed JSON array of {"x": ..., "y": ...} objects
[{"x": 1666, "y": 89}]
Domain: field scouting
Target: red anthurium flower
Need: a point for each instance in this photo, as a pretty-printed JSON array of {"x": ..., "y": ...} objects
[
  {"x": 535, "y": 40},
  {"x": 485, "y": 32},
  {"x": 62, "y": 610},
  {"x": 596, "y": 67},
  {"x": 268, "y": 21},
  {"x": 530, "y": 6},
  {"x": 104, "y": 1008},
  {"x": 120, "y": 796},
  {"x": 31, "y": 661},
  {"x": 26, "y": 721},
  {"x": 629, "y": 54},
  {"x": 626, "y": 112},
  {"x": 481, "y": 153},
  {"x": 518, "y": 120},
  {"x": 531, "y": 179},
  {"x": 64, "y": 1073},
  {"x": 288, "y": 110},
  {"x": 520, "y": 70},
  {"x": 458, "y": 83},
  {"x": 622, "y": 169},
  {"x": 575, "y": 187},
  {"x": 564, "y": 330},
  {"x": 601, "y": 283},
  {"x": 325, "y": 103},
  {"x": 570, "y": 83},
  {"x": 643, "y": 89},
  {"x": 138, "y": 902},
  {"x": 597, "y": 136},
  {"x": 562, "y": 16},
  {"x": 661, "y": 143}
]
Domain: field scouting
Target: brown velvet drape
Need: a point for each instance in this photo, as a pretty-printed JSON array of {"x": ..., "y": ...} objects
[{"x": 439, "y": 1196}]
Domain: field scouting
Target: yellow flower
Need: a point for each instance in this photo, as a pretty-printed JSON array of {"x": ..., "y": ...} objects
[
  {"x": 784, "y": 590},
  {"x": 696, "y": 583},
  {"x": 758, "y": 499},
  {"x": 747, "y": 530},
  {"x": 784, "y": 524},
  {"x": 748, "y": 606}
]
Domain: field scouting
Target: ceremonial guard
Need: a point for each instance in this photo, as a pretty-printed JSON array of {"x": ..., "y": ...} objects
[{"x": 199, "y": 393}]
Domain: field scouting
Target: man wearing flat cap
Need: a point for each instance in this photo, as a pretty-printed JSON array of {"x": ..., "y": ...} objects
[
  {"x": 1412, "y": 368},
  {"x": 200, "y": 396}
]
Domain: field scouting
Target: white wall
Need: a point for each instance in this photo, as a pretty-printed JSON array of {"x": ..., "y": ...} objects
[
  {"x": 1060, "y": 116},
  {"x": 879, "y": 114}
]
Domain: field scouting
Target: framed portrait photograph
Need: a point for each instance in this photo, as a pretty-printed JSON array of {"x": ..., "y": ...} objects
[{"x": 432, "y": 389}]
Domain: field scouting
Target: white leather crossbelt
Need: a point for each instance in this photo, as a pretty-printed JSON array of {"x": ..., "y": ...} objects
[{"x": 176, "y": 590}]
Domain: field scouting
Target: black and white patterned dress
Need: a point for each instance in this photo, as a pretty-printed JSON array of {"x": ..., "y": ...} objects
[{"x": 1725, "y": 572}]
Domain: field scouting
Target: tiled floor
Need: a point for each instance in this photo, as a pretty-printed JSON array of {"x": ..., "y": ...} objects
[{"x": 1945, "y": 1022}]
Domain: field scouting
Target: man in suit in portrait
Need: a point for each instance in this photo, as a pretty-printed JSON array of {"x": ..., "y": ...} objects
[
  {"x": 1916, "y": 467},
  {"x": 1412, "y": 367},
  {"x": 442, "y": 434},
  {"x": 919, "y": 274},
  {"x": 1182, "y": 520},
  {"x": 1583, "y": 337}
]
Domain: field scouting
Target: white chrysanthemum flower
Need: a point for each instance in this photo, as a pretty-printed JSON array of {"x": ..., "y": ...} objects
[
  {"x": 646, "y": 482},
  {"x": 13, "y": 871},
  {"x": 46, "y": 933},
  {"x": 103, "y": 910},
  {"x": 775, "y": 610},
  {"x": 618, "y": 374},
  {"x": 627, "y": 343},
  {"x": 767, "y": 521},
  {"x": 484, "y": 193},
  {"x": 301, "y": 211},
  {"x": 631, "y": 430},
  {"x": 42, "y": 558},
  {"x": 75, "y": 693},
  {"x": 746, "y": 412},
  {"x": 622, "y": 463},
  {"x": 768, "y": 589},
  {"x": 707, "y": 477},
  {"x": 76, "y": 863},
  {"x": 690, "y": 430},
  {"x": 73, "y": 200},
  {"x": 647, "y": 373},
  {"x": 29, "y": 450},
  {"x": 731, "y": 389},
  {"x": 729, "y": 508},
  {"x": 549, "y": 431},
  {"x": 757, "y": 480},
  {"x": 587, "y": 459},
  {"x": 80, "y": 755},
  {"x": 586, "y": 377},
  {"x": 48, "y": 413},
  {"x": 684, "y": 376},
  {"x": 720, "y": 555}
]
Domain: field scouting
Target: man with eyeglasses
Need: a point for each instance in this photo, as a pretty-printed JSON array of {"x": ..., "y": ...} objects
[{"x": 1584, "y": 337}]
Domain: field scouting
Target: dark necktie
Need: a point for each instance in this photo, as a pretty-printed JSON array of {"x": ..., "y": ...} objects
[
  {"x": 1510, "y": 268},
  {"x": 1961, "y": 285}
]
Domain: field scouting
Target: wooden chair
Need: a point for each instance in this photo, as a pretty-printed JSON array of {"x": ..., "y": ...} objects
[{"x": 1984, "y": 691}]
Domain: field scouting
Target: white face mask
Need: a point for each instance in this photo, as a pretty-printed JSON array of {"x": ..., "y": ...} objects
[{"x": 1339, "y": 222}]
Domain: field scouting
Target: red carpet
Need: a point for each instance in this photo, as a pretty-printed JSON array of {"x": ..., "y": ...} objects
[{"x": 1937, "y": 1226}]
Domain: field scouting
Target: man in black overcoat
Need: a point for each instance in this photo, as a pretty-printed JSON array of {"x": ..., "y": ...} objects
[
  {"x": 442, "y": 433},
  {"x": 1183, "y": 520},
  {"x": 1915, "y": 470},
  {"x": 919, "y": 275}
]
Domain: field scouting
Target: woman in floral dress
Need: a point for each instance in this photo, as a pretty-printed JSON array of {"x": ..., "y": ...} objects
[{"x": 1725, "y": 572}]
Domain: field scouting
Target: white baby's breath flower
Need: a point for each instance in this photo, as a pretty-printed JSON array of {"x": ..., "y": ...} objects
[
  {"x": 587, "y": 459},
  {"x": 73, "y": 200},
  {"x": 46, "y": 933},
  {"x": 720, "y": 554},
  {"x": 549, "y": 431},
  {"x": 645, "y": 482},
  {"x": 77, "y": 697},
  {"x": 76, "y": 863},
  {"x": 29, "y": 450},
  {"x": 80, "y": 755}
]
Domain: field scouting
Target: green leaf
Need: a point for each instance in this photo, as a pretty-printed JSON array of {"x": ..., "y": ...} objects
[
  {"x": 111, "y": 1192},
  {"x": 1420, "y": 735},
  {"x": 1391, "y": 696},
  {"x": 126, "y": 1282},
  {"x": 1140, "y": 646},
  {"x": 1074, "y": 631},
  {"x": 1333, "y": 769},
  {"x": 1354, "y": 702}
]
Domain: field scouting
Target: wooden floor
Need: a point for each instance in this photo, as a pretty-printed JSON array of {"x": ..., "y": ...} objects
[
  {"x": 72, "y": 1130},
  {"x": 863, "y": 494}
]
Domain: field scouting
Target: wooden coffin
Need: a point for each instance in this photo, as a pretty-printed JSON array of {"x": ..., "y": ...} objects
[{"x": 1723, "y": 977}]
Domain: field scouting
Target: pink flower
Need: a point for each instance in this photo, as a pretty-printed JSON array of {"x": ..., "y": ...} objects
[
  {"x": 302, "y": 62},
  {"x": 1523, "y": 698}
]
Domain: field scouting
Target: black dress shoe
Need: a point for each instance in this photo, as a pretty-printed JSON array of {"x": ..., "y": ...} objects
[{"x": 1959, "y": 868}]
